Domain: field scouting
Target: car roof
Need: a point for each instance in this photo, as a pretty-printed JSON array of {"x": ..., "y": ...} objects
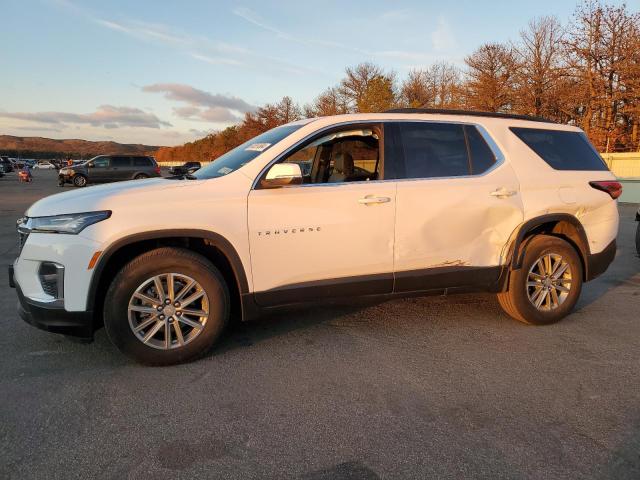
[{"x": 487, "y": 119}]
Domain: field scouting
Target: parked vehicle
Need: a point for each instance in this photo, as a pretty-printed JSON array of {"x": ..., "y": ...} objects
[
  {"x": 6, "y": 166},
  {"x": 187, "y": 168},
  {"x": 109, "y": 168},
  {"x": 400, "y": 203},
  {"x": 44, "y": 165}
]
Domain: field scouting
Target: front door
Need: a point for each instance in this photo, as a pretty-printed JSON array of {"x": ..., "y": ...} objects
[
  {"x": 99, "y": 170},
  {"x": 331, "y": 236}
]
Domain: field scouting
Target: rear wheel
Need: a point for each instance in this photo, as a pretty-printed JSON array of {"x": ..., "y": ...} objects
[
  {"x": 547, "y": 286},
  {"x": 638, "y": 239},
  {"x": 80, "y": 181},
  {"x": 166, "y": 306},
  {"x": 141, "y": 176}
]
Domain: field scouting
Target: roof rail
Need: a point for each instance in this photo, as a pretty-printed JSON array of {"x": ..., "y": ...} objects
[{"x": 472, "y": 113}]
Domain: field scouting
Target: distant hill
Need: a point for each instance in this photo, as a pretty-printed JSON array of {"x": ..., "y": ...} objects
[{"x": 39, "y": 147}]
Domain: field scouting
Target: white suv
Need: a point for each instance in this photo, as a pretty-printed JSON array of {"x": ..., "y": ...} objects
[{"x": 398, "y": 203}]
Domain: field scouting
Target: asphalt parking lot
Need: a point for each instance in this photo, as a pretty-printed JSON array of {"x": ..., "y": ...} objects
[{"x": 438, "y": 387}]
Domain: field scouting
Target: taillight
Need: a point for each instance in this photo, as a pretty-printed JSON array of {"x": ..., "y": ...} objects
[
  {"x": 612, "y": 188},
  {"x": 158, "y": 169}
]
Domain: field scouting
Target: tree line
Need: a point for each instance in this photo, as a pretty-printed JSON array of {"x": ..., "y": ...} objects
[{"x": 584, "y": 73}]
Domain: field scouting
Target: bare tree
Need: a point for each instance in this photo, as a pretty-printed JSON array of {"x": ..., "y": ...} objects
[
  {"x": 540, "y": 69},
  {"x": 329, "y": 102},
  {"x": 368, "y": 88},
  {"x": 490, "y": 82},
  {"x": 435, "y": 87}
]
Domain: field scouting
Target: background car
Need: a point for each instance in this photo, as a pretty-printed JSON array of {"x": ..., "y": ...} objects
[
  {"x": 109, "y": 168},
  {"x": 6, "y": 166},
  {"x": 45, "y": 165},
  {"x": 188, "y": 167}
]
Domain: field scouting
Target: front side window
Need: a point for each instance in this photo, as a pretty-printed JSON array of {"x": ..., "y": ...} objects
[
  {"x": 561, "y": 149},
  {"x": 100, "y": 162},
  {"x": 433, "y": 150},
  {"x": 349, "y": 155},
  {"x": 245, "y": 153}
]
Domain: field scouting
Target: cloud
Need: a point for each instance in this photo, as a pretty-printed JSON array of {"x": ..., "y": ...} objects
[
  {"x": 107, "y": 116},
  {"x": 442, "y": 38},
  {"x": 196, "y": 97},
  {"x": 393, "y": 15},
  {"x": 217, "y": 60},
  {"x": 202, "y": 105}
]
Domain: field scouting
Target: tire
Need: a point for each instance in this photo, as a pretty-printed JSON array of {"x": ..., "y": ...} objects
[
  {"x": 638, "y": 239},
  {"x": 141, "y": 176},
  {"x": 80, "y": 181},
  {"x": 518, "y": 300},
  {"x": 185, "y": 266}
]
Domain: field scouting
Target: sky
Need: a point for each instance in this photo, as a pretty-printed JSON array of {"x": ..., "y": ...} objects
[{"x": 168, "y": 72}]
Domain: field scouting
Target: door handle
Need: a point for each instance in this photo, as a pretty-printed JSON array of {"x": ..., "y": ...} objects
[
  {"x": 369, "y": 200},
  {"x": 503, "y": 193}
]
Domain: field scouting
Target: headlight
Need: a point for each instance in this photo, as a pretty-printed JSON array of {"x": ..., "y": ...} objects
[{"x": 72, "y": 223}]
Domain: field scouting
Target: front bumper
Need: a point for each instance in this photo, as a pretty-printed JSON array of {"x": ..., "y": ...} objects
[{"x": 52, "y": 316}]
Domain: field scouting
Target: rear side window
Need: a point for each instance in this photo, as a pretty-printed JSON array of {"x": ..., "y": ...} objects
[
  {"x": 142, "y": 161},
  {"x": 482, "y": 158},
  {"x": 433, "y": 150},
  {"x": 120, "y": 161},
  {"x": 562, "y": 150}
]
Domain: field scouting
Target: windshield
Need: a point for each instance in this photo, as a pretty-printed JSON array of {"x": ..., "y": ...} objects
[{"x": 239, "y": 156}]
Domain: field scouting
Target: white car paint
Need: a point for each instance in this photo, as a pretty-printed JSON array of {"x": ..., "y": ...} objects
[
  {"x": 44, "y": 166},
  {"x": 418, "y": 224}
]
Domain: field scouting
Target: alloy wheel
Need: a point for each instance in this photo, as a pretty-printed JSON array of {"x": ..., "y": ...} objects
[
  {"x": 168, "y": 311},
  {"x": 549, "y": 282}
]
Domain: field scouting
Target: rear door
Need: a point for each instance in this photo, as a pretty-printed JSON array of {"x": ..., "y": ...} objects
[
  {"x": 121, "y": 168},
  {"x": 458, "y": 203}
]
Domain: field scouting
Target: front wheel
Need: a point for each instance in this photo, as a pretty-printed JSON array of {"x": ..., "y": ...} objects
[
  {"x": 547, "y": 286},
  {"x": 167, "y": 306},
  {"x": 638, "y": 239},
  {"x": 80, "y": 181}
]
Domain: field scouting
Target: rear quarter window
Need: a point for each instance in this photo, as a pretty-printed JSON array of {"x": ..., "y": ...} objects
[{"x": 560, "y": 149}]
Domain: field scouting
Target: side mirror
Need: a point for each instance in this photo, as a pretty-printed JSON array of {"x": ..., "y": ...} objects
[
  {"x": 282, "y": 175},
  {"x": 90, "y": 165}
]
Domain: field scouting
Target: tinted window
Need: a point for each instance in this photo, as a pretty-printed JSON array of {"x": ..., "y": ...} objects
[
  {"x": 101, "y": 162},
  {"x": 433, "y": 150},
  {"x": 142, "y": 161},
  {"x": 482, "y": 158},
  {"x": 246, "y": 152},
  {"x": 120, "y": 162},
  {"x": 562, "y": 150}
]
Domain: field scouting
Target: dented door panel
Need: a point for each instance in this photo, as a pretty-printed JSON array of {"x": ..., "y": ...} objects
[{"x": 456, "y": 221}]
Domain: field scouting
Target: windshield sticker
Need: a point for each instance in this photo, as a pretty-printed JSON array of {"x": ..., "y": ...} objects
[
  {"x": 258, "y": 147},
  {"x": 225, "y": 170}
]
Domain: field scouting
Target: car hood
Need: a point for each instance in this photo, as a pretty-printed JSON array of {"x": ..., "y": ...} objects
[{"x": 100, "y": 197}]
